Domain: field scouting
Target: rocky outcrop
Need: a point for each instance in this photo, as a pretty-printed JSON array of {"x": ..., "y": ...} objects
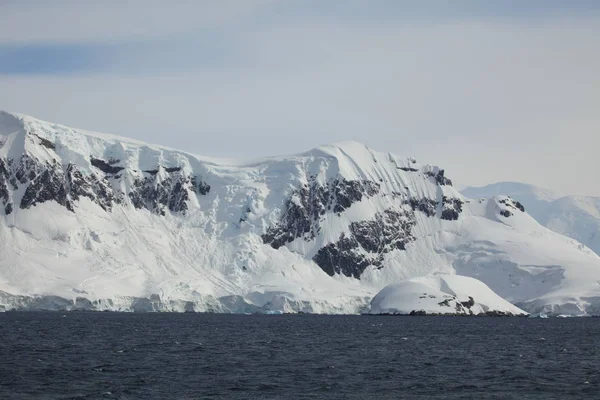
[
  {"x": 305, "y": 207},
  {"x": 439, "y": 177},
  {"x": 4, "y": 190},
  {"x": 425, "y": 205},
  {"x": 368, "y": 243},
  {"x": 451, "y": 208},
  {"x": 157, "y": 196},
  {"x": 40, "y": 182},
  {"x": 106, "y": 167},
  {"x": 509, "y": 206},
  {"x": 510, "y": 203},
  {"x": 45, "y": 142}
]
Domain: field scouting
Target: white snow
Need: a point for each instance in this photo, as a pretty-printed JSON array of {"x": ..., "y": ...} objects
[
  {"x": 210, "y": 259},
  {"x": 440, "y": 294},
  {"x": 575, "y": 216}
]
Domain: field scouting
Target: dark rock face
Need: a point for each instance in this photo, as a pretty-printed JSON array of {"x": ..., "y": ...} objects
[
  {"x": 201, "y": 187},
  {"x": 48, "y": 185},
  {"x": 451, "y": 208},
  {"x": 425, "y": 205},
  {"x": 505, "y": 213},
  {"x": 26, "y": 171},
  {"x": 445, "y": 303},
  {"x": 510, "y": 203},
  {"x": 157, "y": 196},
  {"x": 106, "y": 167},
  {"x": 93, "y": 187},
  {"x": 45, "y": 142},
  {"x": 388, "y": 231},
  {"x": 167, "y": 169},
  {"x": 4, "y": 191},
  {"x": 306, "y": 206},
  {"x": 520, "y": 206},
  {"x": 66, "y": 185},
  {"x": 469, "y": 303},
  {"x": 343, "y": 257},
  {"x": 369, "y": 241},
  {"x": 63, "y": 185},
  {"x": 510, "y": 207},
  {"x": 439, "y": 178}
]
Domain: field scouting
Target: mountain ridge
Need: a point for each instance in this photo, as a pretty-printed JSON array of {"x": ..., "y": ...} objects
[
  {"x": 102, "y": 223},
  {"x": 575, "y": 216}
]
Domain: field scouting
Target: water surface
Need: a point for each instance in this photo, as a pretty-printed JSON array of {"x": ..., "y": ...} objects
[{"x": 90, "y": 355}]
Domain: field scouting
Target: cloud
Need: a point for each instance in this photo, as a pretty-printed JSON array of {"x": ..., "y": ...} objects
[
  {"x": 73, "y": 21},
  {"x": 488, "y": 96}
]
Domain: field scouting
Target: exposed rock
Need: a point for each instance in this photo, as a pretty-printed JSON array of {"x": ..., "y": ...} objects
[
  {"x": 520, "y": 206},
  {"x": 106, "y": 167},
  {"x": 497, "y": 313},
  {"x": 439, "y": 177},
  {"x": 96, "y": 189},
  {"x": 167, "y": 169},
  {"x": 505, "y": 213},
  {"x": 369, "y": 242},
  {"x": 388, "y": 231},
  {"x": 425, "y": 205},
  {"x": 469, "y": 303},
  {"x": 451, "y": 208},
  {"x": 4, "y": 180},
  {"x": 304, "y": 208},
  {"x": 66, "y": 185},
  {"x": 509, "y": 202},
  {"x": 45, "y": 142},
  {"x": 157, "y": 196},
  {"x": 445, "y": 303},
  {"x": 343, "y": 257},
  {"x": 201, "y": 187},
  {"x": 48, "y": 185}
]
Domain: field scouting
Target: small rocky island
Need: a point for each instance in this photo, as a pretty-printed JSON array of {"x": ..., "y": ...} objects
[{"x": 441, "y": 295}]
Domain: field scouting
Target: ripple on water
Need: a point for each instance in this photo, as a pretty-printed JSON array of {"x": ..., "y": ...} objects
[{"x": 184, "y": 356}]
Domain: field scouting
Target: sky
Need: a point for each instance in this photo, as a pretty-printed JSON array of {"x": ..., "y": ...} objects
[{"x": 507, "y": 90}]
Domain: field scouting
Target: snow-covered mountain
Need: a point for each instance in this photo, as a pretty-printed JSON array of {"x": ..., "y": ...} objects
[
  {"x": 575, "y": 216},
  {"x": 96, "y": 221}
]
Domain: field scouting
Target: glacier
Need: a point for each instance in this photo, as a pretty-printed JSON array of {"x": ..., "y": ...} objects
[
  {"x": 575, "y": 216},
  {"x": 94, "y": 221}
]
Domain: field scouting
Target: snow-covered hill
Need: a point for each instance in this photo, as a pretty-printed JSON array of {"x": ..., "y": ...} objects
[
  {"x": 441, "y": 294},
  {"x": 575, "y": 216},
  {"x": 89, "y": 220}
]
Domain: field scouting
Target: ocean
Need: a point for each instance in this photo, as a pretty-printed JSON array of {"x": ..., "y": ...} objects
[{"x": 103, "y": 355}]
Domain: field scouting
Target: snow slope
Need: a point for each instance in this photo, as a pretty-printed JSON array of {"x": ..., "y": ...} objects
[
  {"x": 575, "y": 216},
  {"x": 96, "y": 221},
  {"x": 440, "y": 294}
]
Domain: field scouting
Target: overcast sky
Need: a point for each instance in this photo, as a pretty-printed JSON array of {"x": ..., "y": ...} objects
[{"x": 492, "y": 91}]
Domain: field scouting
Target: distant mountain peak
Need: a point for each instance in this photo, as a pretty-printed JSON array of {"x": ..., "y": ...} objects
[{"x": 575, "y": 216}]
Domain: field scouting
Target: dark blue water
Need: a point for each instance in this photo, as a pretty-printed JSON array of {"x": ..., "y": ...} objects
[{"x": 199, "y": 356}]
